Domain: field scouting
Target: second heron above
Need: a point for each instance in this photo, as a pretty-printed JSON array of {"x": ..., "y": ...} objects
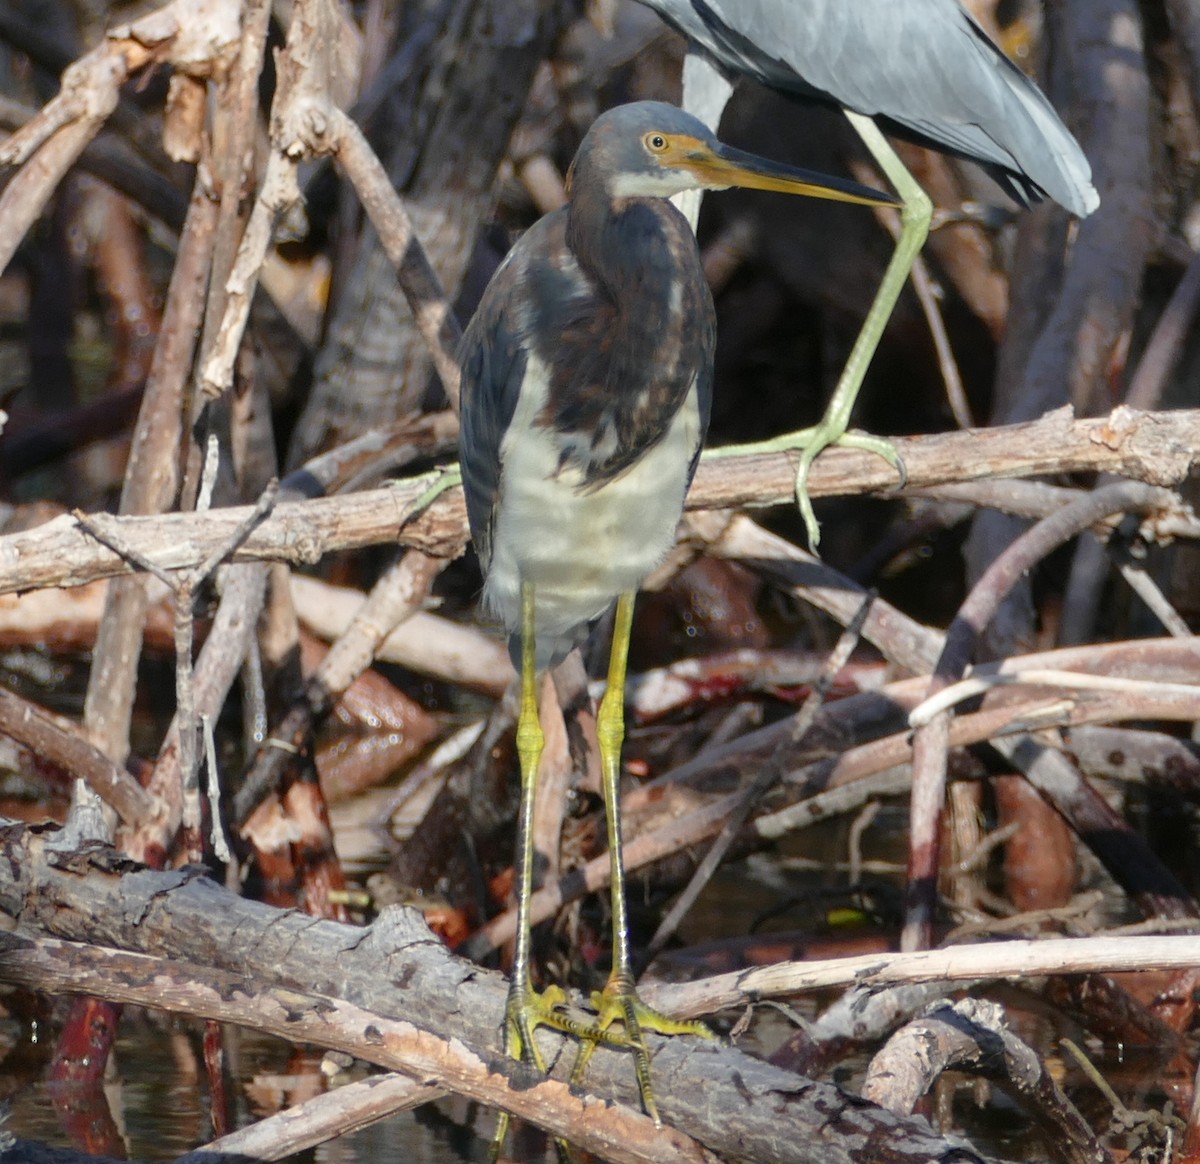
[{"x": 924, "y": 69}]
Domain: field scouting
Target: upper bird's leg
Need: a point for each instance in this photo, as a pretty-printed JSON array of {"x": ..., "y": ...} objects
[
  {"x": 916, "y": 213},
  {"x": 618, "y": 1001},
  {"x": 706, "y": 90}
]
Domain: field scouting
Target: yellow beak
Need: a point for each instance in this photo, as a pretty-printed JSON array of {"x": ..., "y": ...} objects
[{"x": 723, "y": 166}]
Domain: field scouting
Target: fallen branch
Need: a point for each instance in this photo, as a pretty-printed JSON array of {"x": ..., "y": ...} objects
[
  {"x": 1018, "y": 959},
  {"x": 338, "y": 1112},
  {"x": 395, "y": 970},
  {"x": 615, "y": 1132},
  {"x": 971, "y": 1036}
]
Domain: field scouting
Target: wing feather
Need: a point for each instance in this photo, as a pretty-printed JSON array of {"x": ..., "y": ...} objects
[
  {"x": 493, "y": 355},
  {"x": 924, "y": 66}
]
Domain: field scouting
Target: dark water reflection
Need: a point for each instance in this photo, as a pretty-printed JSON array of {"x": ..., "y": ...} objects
[
  {"x": 158, "y": 1099},
  {"x": 158, "y": 1093}
]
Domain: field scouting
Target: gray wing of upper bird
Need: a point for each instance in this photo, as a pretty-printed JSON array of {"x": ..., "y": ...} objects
[{"x": 924, "y": 66}]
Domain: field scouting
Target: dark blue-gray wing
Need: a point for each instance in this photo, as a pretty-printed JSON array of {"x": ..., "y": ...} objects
[
  {"x": 924, "y": 65},
  {"x": 704, "y": 396},
  {"x": 493, "y": 357}
]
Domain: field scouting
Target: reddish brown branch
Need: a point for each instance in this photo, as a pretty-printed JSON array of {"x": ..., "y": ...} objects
[{"x": 931, "y": 740}]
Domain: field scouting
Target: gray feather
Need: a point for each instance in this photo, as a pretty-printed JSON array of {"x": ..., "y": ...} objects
[{"x": 924, "y": 66}]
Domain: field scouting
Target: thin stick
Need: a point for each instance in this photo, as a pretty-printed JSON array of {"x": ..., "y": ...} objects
[
  {"x": 1151, "y": 594},
  {"x": 220, "y": 843},
  {"x": 212, "y": 674},
  {"x": 767, "y": 776},
  {"x": 151, "y": 478},
  {"x": 1018, "y": 959},
  {"x": 1070, "y": 681}
]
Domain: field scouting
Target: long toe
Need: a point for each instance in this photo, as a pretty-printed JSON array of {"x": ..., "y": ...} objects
[
  {"x": 619, "y": 1003},
  {"x": 526, "y": 1010},
  {"x": 813, "y": 442}
]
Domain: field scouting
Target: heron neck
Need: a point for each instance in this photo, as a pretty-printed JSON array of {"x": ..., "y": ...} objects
[
  {"x": 626, "y": 245},
  {"x": 645, "y": 340}
]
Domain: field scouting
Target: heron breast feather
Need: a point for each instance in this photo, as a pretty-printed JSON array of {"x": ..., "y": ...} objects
[{"x": 581, "y": 547}]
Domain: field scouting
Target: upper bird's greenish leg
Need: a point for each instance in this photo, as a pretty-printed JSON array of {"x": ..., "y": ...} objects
[
  {"x": 618, "y": 1001},
  {"x": 916, "y": 214},
  {"x": 706, "y": 91}
]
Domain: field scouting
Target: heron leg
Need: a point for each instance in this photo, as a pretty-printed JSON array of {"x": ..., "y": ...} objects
[
  {"x": 618, "y": 1001},
  {"x": 706, "y": 91},
  {"x": 916, "y": 214},
  {"x": 525, "y": 1009}
]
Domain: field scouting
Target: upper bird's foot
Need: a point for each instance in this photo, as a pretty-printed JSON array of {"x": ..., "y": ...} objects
[
  {"x": 618, "y": 1003},
  {"x": 812, "y": 442}
]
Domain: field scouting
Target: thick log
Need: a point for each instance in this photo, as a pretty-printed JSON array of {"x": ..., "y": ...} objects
[{"x": 735, "y": 1105}]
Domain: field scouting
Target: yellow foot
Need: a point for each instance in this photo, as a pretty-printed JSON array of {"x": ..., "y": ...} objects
[
  {"x": 618, "y": 1003},
  {"x": 524, "y": 1012},
  {"x": 812, "y": 442}
]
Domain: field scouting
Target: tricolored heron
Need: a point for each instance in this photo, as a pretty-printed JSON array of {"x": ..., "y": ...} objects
[
  {"x": 586, "y": 379},
  {"x": 923, "y": 69}
]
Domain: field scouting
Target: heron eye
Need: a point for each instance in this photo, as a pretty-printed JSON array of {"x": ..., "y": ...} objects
[{"x": 656, "y": 143}]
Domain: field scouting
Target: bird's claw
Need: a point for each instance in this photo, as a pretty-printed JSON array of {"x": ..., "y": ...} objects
[
  {"x": 618, "y": 1003},
  {"x": 525, "y": 1011},
  {"x": 852, "y": 439},
  {"x": 813, "y": 442}
]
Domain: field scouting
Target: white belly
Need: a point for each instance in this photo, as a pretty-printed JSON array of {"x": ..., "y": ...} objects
[{"x": 580, "y": 550}]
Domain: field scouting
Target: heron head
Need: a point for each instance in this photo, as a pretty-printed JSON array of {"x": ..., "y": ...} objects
[{"x": 650, "y": 149}]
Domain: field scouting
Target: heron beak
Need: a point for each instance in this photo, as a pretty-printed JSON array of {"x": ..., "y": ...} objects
[{"x": 722, "y": 166}]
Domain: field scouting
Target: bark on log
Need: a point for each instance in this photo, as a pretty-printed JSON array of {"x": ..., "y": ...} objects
[{"x": 737, "y": 1106}]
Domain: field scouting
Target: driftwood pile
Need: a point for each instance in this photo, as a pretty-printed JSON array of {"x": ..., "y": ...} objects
[{"x": 1041, "y": 689}]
